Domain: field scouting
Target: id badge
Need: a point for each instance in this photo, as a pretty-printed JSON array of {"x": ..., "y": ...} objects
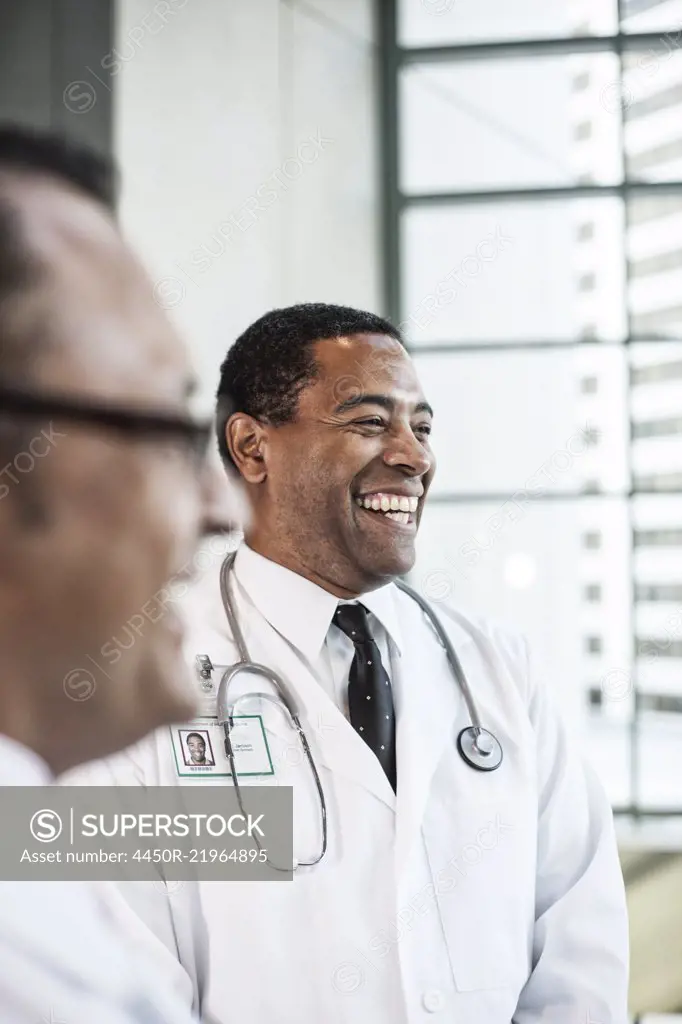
[{"x": 199, "y": 748}]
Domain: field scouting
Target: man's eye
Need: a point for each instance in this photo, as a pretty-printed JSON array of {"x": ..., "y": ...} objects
[
  {"x": 424, "y": 428},
  {"x": 372, "y": 421}
]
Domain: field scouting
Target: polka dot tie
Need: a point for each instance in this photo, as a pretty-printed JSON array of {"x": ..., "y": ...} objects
[{"x": 370, "y": 700}]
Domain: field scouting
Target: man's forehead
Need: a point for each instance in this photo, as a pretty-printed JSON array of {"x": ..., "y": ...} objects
[
  {"x": 364, "y": 355},
  {"x": 54, "y": 213},
  {"x": 371, "y": 356},
  {"x": 97, "y": 298},
  {"x": 359, "y": 365},
  {"x": 362, "y": 347}
]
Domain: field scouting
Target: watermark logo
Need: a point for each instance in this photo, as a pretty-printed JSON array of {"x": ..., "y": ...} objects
[
  {"x": 169, "y": 292},
  {"x": 79, "y": 684},
  {"x": 347, "y": 978},
  {"x": 46, "y": 826},
  {"x": 79, "y": 97},
  {"x": 169, "y": 888},
  {"x": 615, "y": 96},
  {"x": 438, "y": 6},
  {"x": 616, "y": 684}
]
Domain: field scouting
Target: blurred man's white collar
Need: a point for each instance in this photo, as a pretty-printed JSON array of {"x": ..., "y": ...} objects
[{"x": 20, "y": 766}]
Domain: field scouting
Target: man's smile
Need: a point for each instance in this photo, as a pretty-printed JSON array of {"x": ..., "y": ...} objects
[{"x": 391, "y": 507}]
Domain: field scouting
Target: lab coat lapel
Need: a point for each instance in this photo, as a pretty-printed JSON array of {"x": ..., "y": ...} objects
[
  {"x": 334, "y": 742},
  {"x": 429, "y": 705}
]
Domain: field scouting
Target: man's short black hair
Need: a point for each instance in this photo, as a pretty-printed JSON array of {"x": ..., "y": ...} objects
[
  {"x": 272, "y": 362},
  {"x": 196, "y": 735},
  {"x": 29, "y": 151}
]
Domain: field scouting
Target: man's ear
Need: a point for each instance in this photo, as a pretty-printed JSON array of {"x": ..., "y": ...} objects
[{"x": 246, "y": 439}]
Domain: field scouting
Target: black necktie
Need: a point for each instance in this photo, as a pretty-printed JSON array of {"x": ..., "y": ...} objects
[{"x": 370, "y": 701}]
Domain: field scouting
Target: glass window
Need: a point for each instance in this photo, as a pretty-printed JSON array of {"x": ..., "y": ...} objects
[
  {"x": 658, "y": 538},
  {"x": 654, "y": 252},
  {"x": 513, "y": 424},
  {"x": 658, "y": 592},
  {"x": 463, "y": 21},
  {"x": 658, "y": 371},
  {"x": 652, "y": 16},
  {"x": 652, "y": 95},
  {"x": 509, "y": 272},
  {"x": 525, "y": 567},
  {"x": 493, "y": 123},
  {"x": 658, "y": 481},
  {"x": 652, "y": 208},
  {"x": 671, "y": 260},
  {"x": 661, "y": 702},
  {"x": 669, "y": 427},
  {"x": 659, "y": 759},
  {"x": 539, "y": 311}
]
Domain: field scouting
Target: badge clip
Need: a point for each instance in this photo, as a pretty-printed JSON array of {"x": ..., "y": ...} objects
[{"x": 204, "y": 667}]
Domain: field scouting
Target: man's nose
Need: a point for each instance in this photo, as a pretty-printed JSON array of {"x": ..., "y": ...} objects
[{"x": 408, "y": 453}]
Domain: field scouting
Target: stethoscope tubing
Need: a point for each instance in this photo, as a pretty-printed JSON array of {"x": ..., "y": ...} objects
[{"x": 477, "y": 746}]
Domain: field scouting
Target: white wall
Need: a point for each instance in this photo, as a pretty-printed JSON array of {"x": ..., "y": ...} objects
[{"x": 246, "y": 132}]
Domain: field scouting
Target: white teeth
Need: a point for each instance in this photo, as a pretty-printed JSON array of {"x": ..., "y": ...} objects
[
  {"x": 389, "y": 503},
  {"x": 399, "y": 517}
]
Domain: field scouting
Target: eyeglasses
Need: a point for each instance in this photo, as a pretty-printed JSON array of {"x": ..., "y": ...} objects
[{"x": 194, "y": 434}]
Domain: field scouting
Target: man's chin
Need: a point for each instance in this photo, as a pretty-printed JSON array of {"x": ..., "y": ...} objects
[
  {"x": 386, "y": 567},
  {"x": 166, "y": 691}
]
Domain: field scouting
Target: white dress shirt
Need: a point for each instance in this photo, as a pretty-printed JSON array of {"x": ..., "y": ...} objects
[
  {"x": 302, "y": 612},
  {"x": 62, "y": 958}
]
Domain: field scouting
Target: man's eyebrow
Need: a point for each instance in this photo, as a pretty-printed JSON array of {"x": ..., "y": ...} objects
[
  {"x": 424, "y": 407},
  {"x": 366, "y": 399},
  {"x": 385, "y": 401}
]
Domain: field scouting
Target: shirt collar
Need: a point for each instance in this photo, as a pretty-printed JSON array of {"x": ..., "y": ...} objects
[
  {"x": 20, "y": 766},
  {"x": 301, "y": 610}
]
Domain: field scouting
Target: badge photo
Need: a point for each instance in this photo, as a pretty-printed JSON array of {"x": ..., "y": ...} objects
[{"x": 199, "y": 748}]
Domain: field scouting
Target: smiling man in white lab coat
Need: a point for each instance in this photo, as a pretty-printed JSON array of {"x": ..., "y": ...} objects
[{"x": 446, "y": 893}]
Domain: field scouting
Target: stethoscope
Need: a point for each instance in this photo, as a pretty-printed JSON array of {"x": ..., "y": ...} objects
[{"x": 478, "y": 747}]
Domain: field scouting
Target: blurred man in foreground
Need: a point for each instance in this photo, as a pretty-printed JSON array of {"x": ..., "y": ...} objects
[{"x": 103, "y": 494}]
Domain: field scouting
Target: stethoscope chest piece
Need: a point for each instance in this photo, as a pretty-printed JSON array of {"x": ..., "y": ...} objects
[{"x": 480, "y": 749}]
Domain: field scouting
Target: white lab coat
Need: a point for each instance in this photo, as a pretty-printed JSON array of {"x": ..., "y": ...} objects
[
  {"x": 68, "y": 953},
  {"x": 473, "y": 897}
]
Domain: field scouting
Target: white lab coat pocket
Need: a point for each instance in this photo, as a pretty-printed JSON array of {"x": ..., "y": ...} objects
[{"x": 482, "y": 861}]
